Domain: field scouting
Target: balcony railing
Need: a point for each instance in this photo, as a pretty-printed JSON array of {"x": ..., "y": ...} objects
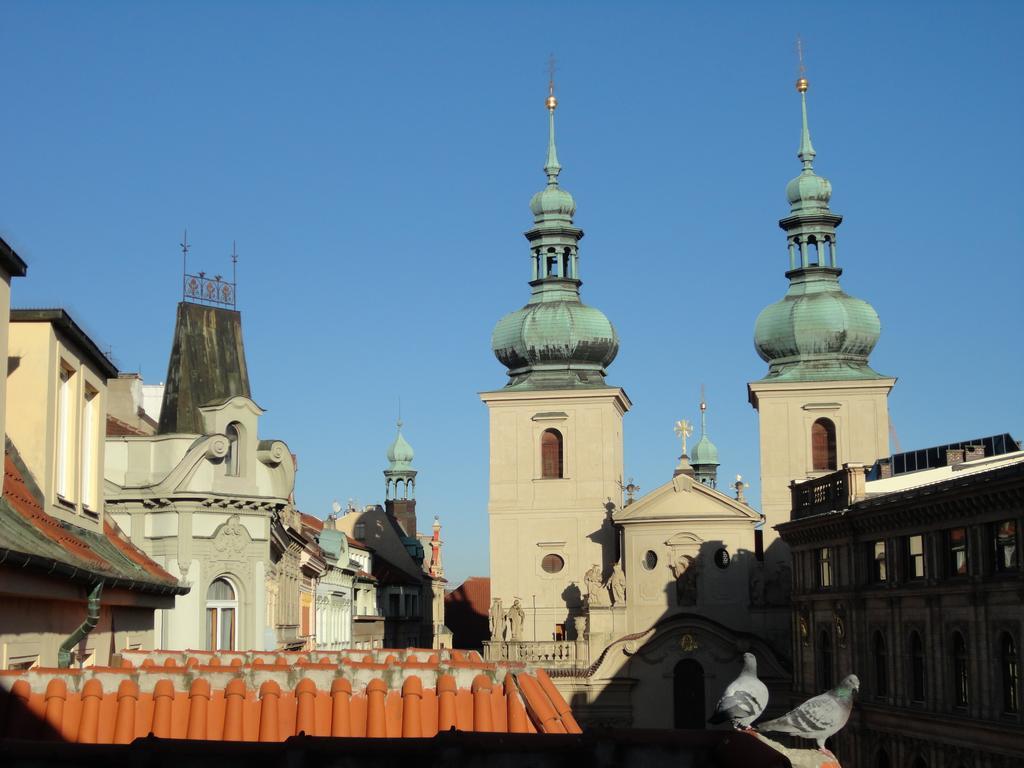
[
  {"x": 543, "y": 653},
  {"x": 834, "y": 491}
]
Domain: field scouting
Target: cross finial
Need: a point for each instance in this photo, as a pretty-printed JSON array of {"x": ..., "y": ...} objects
[
  {"x": 184, "y": 244},
  {"x": 683, "y": 430}
]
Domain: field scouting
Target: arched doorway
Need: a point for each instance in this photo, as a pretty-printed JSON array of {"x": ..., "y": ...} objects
[{"x": 688, "y": 694}]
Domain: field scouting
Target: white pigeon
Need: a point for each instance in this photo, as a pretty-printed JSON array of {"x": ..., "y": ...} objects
[
  {"x": 820, "y": 717},
  {"x": 744, "y": 699}
]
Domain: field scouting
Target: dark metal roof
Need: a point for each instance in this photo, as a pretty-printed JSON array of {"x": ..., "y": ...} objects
[
  {"x": 61, "y": 320},
  {"x": 10, "y": 261},
  {"x": 207, "y": 365},
  {"x": 930, "y": 458}
]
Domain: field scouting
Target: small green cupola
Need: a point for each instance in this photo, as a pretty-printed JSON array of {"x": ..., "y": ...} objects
[
  {"x": 816, "y": 332},
  {"x": 555, "y": 341},
  {"x": 705, "y": 455},
  {"x": 400, "y": 477}
]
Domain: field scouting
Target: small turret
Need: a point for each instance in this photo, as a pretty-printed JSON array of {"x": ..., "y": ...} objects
[{"x": 705, "y": 454}]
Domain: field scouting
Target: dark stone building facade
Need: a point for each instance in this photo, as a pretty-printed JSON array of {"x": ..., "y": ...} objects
[{"x": 914, "y": 582}]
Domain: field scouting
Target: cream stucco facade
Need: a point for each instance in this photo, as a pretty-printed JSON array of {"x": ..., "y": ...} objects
[
  {"x": 532, "y": 516},
  {"x": 787, "y": 411},
  {"x": 205, "y": 507}
]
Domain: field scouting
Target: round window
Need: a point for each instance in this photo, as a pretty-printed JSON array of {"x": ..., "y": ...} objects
[
  {"x": 552, "y": 563},
  {"x": 650, "y": 559},
  {"x": 722, "y": 558}
]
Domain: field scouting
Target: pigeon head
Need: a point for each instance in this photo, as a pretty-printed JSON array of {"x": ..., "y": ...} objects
[
  {"x": 849, "y": 686},
  {"x": 749, "y": 663}
]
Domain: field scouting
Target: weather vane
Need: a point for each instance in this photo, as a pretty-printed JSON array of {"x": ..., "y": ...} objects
[
  {"x": 683, "y": 430},
  {"x": 551, "y": 102},
  {"x": 801, "y": 79}
]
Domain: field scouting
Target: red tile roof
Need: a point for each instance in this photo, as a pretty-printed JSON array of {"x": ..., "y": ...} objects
[
  {"x": 465, "y": 612},
  {"x": 118, "y": 428},
  {"x": 312, "y": 522},
  {"x": 256, "y": 696},
  {"x": 32, "y": 537}
]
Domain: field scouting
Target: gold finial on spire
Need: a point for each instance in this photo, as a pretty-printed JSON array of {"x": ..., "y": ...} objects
[
  {"x": 551, "y": 102},
  {"x": 801, "y": 81}
]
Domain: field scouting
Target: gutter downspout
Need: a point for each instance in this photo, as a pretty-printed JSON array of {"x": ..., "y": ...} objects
[{"x": 92, "y": 618}]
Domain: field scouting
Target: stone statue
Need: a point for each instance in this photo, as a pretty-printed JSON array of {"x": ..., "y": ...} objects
[
  {"x": 516, "y": 617},
  {"x": 685, "y": 572},
  {"x": 597, "y": 593},
  {"x": 757, "y": 595},
  {"x": 779, "y": 586},
  {"x": 617, "y": 583},
  {"x": 496, "y": 619}
]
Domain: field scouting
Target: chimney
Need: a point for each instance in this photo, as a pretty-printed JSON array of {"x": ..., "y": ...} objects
[
  {"x": 884, "y": 468},
  {"x": 954, "y": 457},
  {"x": 974, "y": 452}
]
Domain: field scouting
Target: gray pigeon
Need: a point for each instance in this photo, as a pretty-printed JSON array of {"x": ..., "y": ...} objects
[
  {"x": 744, "y": 699},
  {"x": 820, "y": 717}
]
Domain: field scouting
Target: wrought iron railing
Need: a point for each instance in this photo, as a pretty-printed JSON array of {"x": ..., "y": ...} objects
[{"x": 213, "y": 291}]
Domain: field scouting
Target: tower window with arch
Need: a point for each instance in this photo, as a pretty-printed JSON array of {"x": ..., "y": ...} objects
[
  {"x": 552, "y": 454},
  {"x": 916, "y": 668},
  {"x": 221, "y": 615},
  {"x": 1009, "y": 667},
  {"x": 233, "y": 459},
  {"x": 823, "y": 445},
  {"x": 961, "y": 681},
  {"x": 881, "y": 660},
  {"x": 824, "y": 659}
]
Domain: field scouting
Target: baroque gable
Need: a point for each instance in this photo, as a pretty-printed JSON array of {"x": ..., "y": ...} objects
[{"x": 682, "y": 499}]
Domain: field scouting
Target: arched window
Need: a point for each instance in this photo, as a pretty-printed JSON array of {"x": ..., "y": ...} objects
[
  {"x": 916, "y": 668},
  {"x": 1010, "y": 668},
  {"x": 881, "y": 659},
  {"x": 960, "y": 675},
  {"x": 688, "y": 695},
  {"x": 233, "y": 459},
  {"x": 823, "y": 445},
  {"x": 551, "y": 454},
  {"x": 221, "y": 615},
  {"x": 825, "y": 659}
]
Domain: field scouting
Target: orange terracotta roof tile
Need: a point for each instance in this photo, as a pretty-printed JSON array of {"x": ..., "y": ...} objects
[
  {"x": 118, "y": 428},
  {"x": 269, "y": 697},
  {"x": 45, "y": 542}
]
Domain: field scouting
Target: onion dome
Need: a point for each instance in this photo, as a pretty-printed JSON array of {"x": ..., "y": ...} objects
[
  {"x": 816, "y": 332},
  {"x": 555, "y": 341},
  {"x": 705, "y": 455},
  {"x": 400, "y": 454}
]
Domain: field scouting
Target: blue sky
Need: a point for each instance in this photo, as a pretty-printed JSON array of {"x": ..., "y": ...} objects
[{"x": 374, "y": 163}]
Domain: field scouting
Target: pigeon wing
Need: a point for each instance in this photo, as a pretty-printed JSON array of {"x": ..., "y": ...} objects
[{"x": 816, "y": 718}]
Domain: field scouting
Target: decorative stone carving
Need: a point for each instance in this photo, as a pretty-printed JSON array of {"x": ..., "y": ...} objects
[
  {"x": 231, "y": 538},
  {"x": 496, "y": 619},
  {"x": 515, "y": 617},
  {"x": 617, "y": 584},
  {"x": 757, "y": 586},
  {"x": 779, "y": 587},
  {"x": 688, "y": 643},
  {"x": 685, "y": 570},
  {"x": 579, "y": 624},
  {"x": 597, "y": 592}
]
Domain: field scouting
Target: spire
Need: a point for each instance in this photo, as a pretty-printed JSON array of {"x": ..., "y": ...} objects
[
  {"x": 552, "y": 168},
  {"x": 705, "y": 454},
  {"x": 806, "y": 152},
  {"x": 555, "y": 341},
  {"x": 817, "y": 332}
]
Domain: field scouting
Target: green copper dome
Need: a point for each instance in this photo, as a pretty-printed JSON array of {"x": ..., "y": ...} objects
[
  {"x": 555, "y": 336},
  {"x": 816, "y": 332},
  {"x": 400, "y": 454},
  {"x": 555, "y": 341},
  {"x": 704, "y": 452}
]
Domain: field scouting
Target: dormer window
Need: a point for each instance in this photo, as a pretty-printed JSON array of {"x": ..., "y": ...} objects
[
  {"x": 551, "y": 454},
  {"x": 233, "y": 459}
]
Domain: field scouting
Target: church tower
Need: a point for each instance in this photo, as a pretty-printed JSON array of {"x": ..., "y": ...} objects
[
  {"x": 820, "y": 405},
  {"x": 705, "y": 454},
  {"x": 555, "y": 428},
  {"x": 400, "y": 484}
]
